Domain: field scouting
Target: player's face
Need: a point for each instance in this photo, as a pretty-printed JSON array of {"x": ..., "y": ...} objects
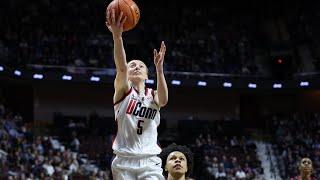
[
  {"x": 137, "y": 70},
  {"x": 176, "y": 163},
  {"x": 306, "y": 165}
]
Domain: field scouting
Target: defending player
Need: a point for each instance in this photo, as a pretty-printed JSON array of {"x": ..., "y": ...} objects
[{"x": 177, "y": 162}]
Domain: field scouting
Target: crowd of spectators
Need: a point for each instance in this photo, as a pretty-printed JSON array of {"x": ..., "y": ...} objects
[
  {"x": 73, "y": 33},
  {"x": 228, "y": 157},
  {"x": 25, "y": 155},
  {"x": 302, "y": 24},
  {"x": 222, "y": 150},
  {"x": 296, "y": 136},
  {"x": 221, "y": 153},
  {"x": 208, "y": 38}
]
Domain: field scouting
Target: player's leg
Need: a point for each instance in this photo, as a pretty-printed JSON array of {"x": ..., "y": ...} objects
[
  {"x": 148, "y": 175},
  {"x": 152, "y": 169},
  {"x": 119, "y": 172}
]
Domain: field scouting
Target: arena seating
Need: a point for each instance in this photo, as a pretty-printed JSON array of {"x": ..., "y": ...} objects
[{"x": 296, "y": 136}]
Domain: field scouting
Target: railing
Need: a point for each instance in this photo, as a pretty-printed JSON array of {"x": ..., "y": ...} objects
[
  {"x": 174, "y": 78},
  {"x": 112, "y": 71},
  {"x": 315, "y": 73}
]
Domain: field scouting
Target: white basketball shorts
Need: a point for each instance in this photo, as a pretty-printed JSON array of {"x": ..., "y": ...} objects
[{"x": 137, "y": 168}]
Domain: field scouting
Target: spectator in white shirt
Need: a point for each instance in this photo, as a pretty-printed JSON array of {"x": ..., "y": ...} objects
[{"x": 240, "y": 174}]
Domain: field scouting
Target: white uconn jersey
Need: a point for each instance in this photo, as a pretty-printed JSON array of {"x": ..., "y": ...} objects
[{"x": 137, "y": 117}]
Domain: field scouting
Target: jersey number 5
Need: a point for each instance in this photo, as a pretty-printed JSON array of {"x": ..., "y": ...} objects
[{"x": 139, "y": 130}]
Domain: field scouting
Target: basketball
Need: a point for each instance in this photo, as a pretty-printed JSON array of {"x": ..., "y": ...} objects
[{"x": 129, "y": 9}]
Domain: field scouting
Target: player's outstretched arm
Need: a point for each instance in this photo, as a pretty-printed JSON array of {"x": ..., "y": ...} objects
[
  {"x": 115, "y": 25},
  {"x": 161, "y": 95}
]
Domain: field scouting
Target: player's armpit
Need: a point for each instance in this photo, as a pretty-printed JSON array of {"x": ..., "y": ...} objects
[{"x": 121, "y": 86}]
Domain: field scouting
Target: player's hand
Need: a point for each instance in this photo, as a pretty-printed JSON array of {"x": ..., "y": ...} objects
[
  {"x": 158, "y": 57},
  {"x": 115, "y": 25}
]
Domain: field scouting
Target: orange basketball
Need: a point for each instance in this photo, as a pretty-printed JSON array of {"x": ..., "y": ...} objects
[{"x": 129, "y": 9}]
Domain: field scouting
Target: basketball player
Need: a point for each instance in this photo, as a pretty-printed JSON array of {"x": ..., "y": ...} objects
[
  {"x": 306, "y": 170},
  {"x": 136, "y": 110},
  {"x": 177, "y": 162}
]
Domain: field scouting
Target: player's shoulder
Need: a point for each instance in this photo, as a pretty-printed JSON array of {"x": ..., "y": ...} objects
[
  {"x": 150, "y": 91},
  {"x": 119, "y": 97}
]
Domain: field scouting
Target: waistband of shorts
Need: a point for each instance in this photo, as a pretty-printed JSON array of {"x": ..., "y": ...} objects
[{"x": 134, "y": 155}]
